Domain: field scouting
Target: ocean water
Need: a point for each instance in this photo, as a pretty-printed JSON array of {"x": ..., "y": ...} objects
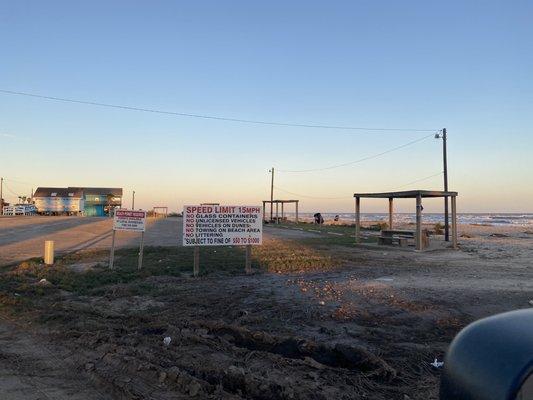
[{"x": 493, "y": 219}]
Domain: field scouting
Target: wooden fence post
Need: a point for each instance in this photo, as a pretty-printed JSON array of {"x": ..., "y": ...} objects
[{"x": 49, "y": 252}]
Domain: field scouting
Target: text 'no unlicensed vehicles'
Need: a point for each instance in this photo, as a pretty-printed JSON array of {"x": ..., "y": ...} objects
[{"x": 215, "y": 225}]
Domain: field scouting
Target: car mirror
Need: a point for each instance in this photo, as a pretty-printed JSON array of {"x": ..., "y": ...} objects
[{"x": 491, "y": 359}]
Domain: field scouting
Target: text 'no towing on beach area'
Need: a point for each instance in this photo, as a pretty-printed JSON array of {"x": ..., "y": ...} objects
[{"x": 211, "y": 225}]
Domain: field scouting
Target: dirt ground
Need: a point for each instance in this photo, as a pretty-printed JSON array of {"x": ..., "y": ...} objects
[{"x": 355, "y": 323}]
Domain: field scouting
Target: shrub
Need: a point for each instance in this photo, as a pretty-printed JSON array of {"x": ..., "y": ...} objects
[
  {"x": 378, "y": 226},
  {"x": 438, "y": 228}
]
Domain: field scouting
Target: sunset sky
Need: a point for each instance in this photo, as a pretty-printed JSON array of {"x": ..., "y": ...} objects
[{"x": 415, "y": 65}]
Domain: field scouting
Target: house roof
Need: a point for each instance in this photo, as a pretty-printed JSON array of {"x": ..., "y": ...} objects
[
  {"x": 58, "y": 192},
  {"x": 77, "y": 192},
  {"x": 102, "y": 191}
]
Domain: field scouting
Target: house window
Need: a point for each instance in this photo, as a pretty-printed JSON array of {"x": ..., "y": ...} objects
[
  {"x": 71, "y": 195},
  {"x": 53, "y": 194}
]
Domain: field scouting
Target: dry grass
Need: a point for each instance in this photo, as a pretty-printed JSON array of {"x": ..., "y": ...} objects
[{"x": 19, "y": 284}]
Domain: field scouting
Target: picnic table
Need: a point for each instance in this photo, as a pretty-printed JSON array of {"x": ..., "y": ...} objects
[
  {"x": 392, "y": 236},
  {"x": 401, "y": 237}
]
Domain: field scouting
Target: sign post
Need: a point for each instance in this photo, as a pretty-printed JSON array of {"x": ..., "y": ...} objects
[
  {"x": 248, "y": 264},
  {"x": 217, "y": 225},
  {"x": 196, "y": 266},
  {"x": 128, "y": 220},
  {"x": 112, "y": 255},
  {"x": 141, "y": 250}
]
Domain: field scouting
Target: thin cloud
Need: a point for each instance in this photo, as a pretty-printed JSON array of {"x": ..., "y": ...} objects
[{"x": 7, "y": 135}]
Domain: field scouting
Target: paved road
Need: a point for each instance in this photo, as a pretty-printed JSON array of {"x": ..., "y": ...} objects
[{"x": 23, "y": 237}]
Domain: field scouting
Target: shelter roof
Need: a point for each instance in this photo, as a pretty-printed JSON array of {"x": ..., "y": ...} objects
[{"x": 407, "y": 194}]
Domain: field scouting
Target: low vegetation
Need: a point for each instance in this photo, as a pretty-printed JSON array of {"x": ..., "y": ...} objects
[
  {"x": 88, "y": 273},
  {"x": 438, "y": 228},
  {"x": 346, "y": 230}
]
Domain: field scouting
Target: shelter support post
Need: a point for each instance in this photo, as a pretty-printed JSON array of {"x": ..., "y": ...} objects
[
  {"x": 357, "y": 219},
  {"x": 446, "y": 220},
  {"x": 419, "y": 222},
  {"x": 277, "y": 213},
  {"x": 391, "y": 210},
  {"x": 297, "y": 211},
  {"x": 264, "y": 211},
  {"x": 454, "y": 222},
  {"x": 282, "y": 211},
  {"x": 272, "y": 194}
]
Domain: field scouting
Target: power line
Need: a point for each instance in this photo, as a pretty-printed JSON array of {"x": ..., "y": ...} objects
[
  {"x": 313, "y": 197},
  {"x": 361, "y": 159},
  {"x": 11, "y": 191},
  {"x": 19, "y": 182},
  {"x": 419, "y": 180},
  {"x": 351, "y": 197},
  {"x": 213, "y": 117}
]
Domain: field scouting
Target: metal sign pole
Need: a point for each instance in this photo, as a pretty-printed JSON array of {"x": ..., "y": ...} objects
[
  {"x": 248, "y": 265},
  {"x": 112, "y": 255},
  {"x": 196, "y": 267},
  {"x": 141, "y": 250}
]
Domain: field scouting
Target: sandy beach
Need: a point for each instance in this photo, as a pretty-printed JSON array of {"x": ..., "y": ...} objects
[{"x": 320, "y": 318}]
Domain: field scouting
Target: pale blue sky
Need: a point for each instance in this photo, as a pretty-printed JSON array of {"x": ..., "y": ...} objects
[{"x": 463, "y": 65}]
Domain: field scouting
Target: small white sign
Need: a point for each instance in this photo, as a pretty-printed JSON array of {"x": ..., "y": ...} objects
[
  {"x": 215, "y": 225},
  {"x": 129, "y": 220}
]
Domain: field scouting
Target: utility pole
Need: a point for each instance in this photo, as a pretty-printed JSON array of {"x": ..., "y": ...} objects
[
  {"x": 1, "y": 196},
  {"x": 272, "y": 196},
  {"x": 133, "y": 201},
  {"x": 445, "y": 160}
]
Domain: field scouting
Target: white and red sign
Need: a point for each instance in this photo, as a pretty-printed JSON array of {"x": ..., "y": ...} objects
[
  {"x": 129, "y": 220},
  {"x": 215, "y": 225}
]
